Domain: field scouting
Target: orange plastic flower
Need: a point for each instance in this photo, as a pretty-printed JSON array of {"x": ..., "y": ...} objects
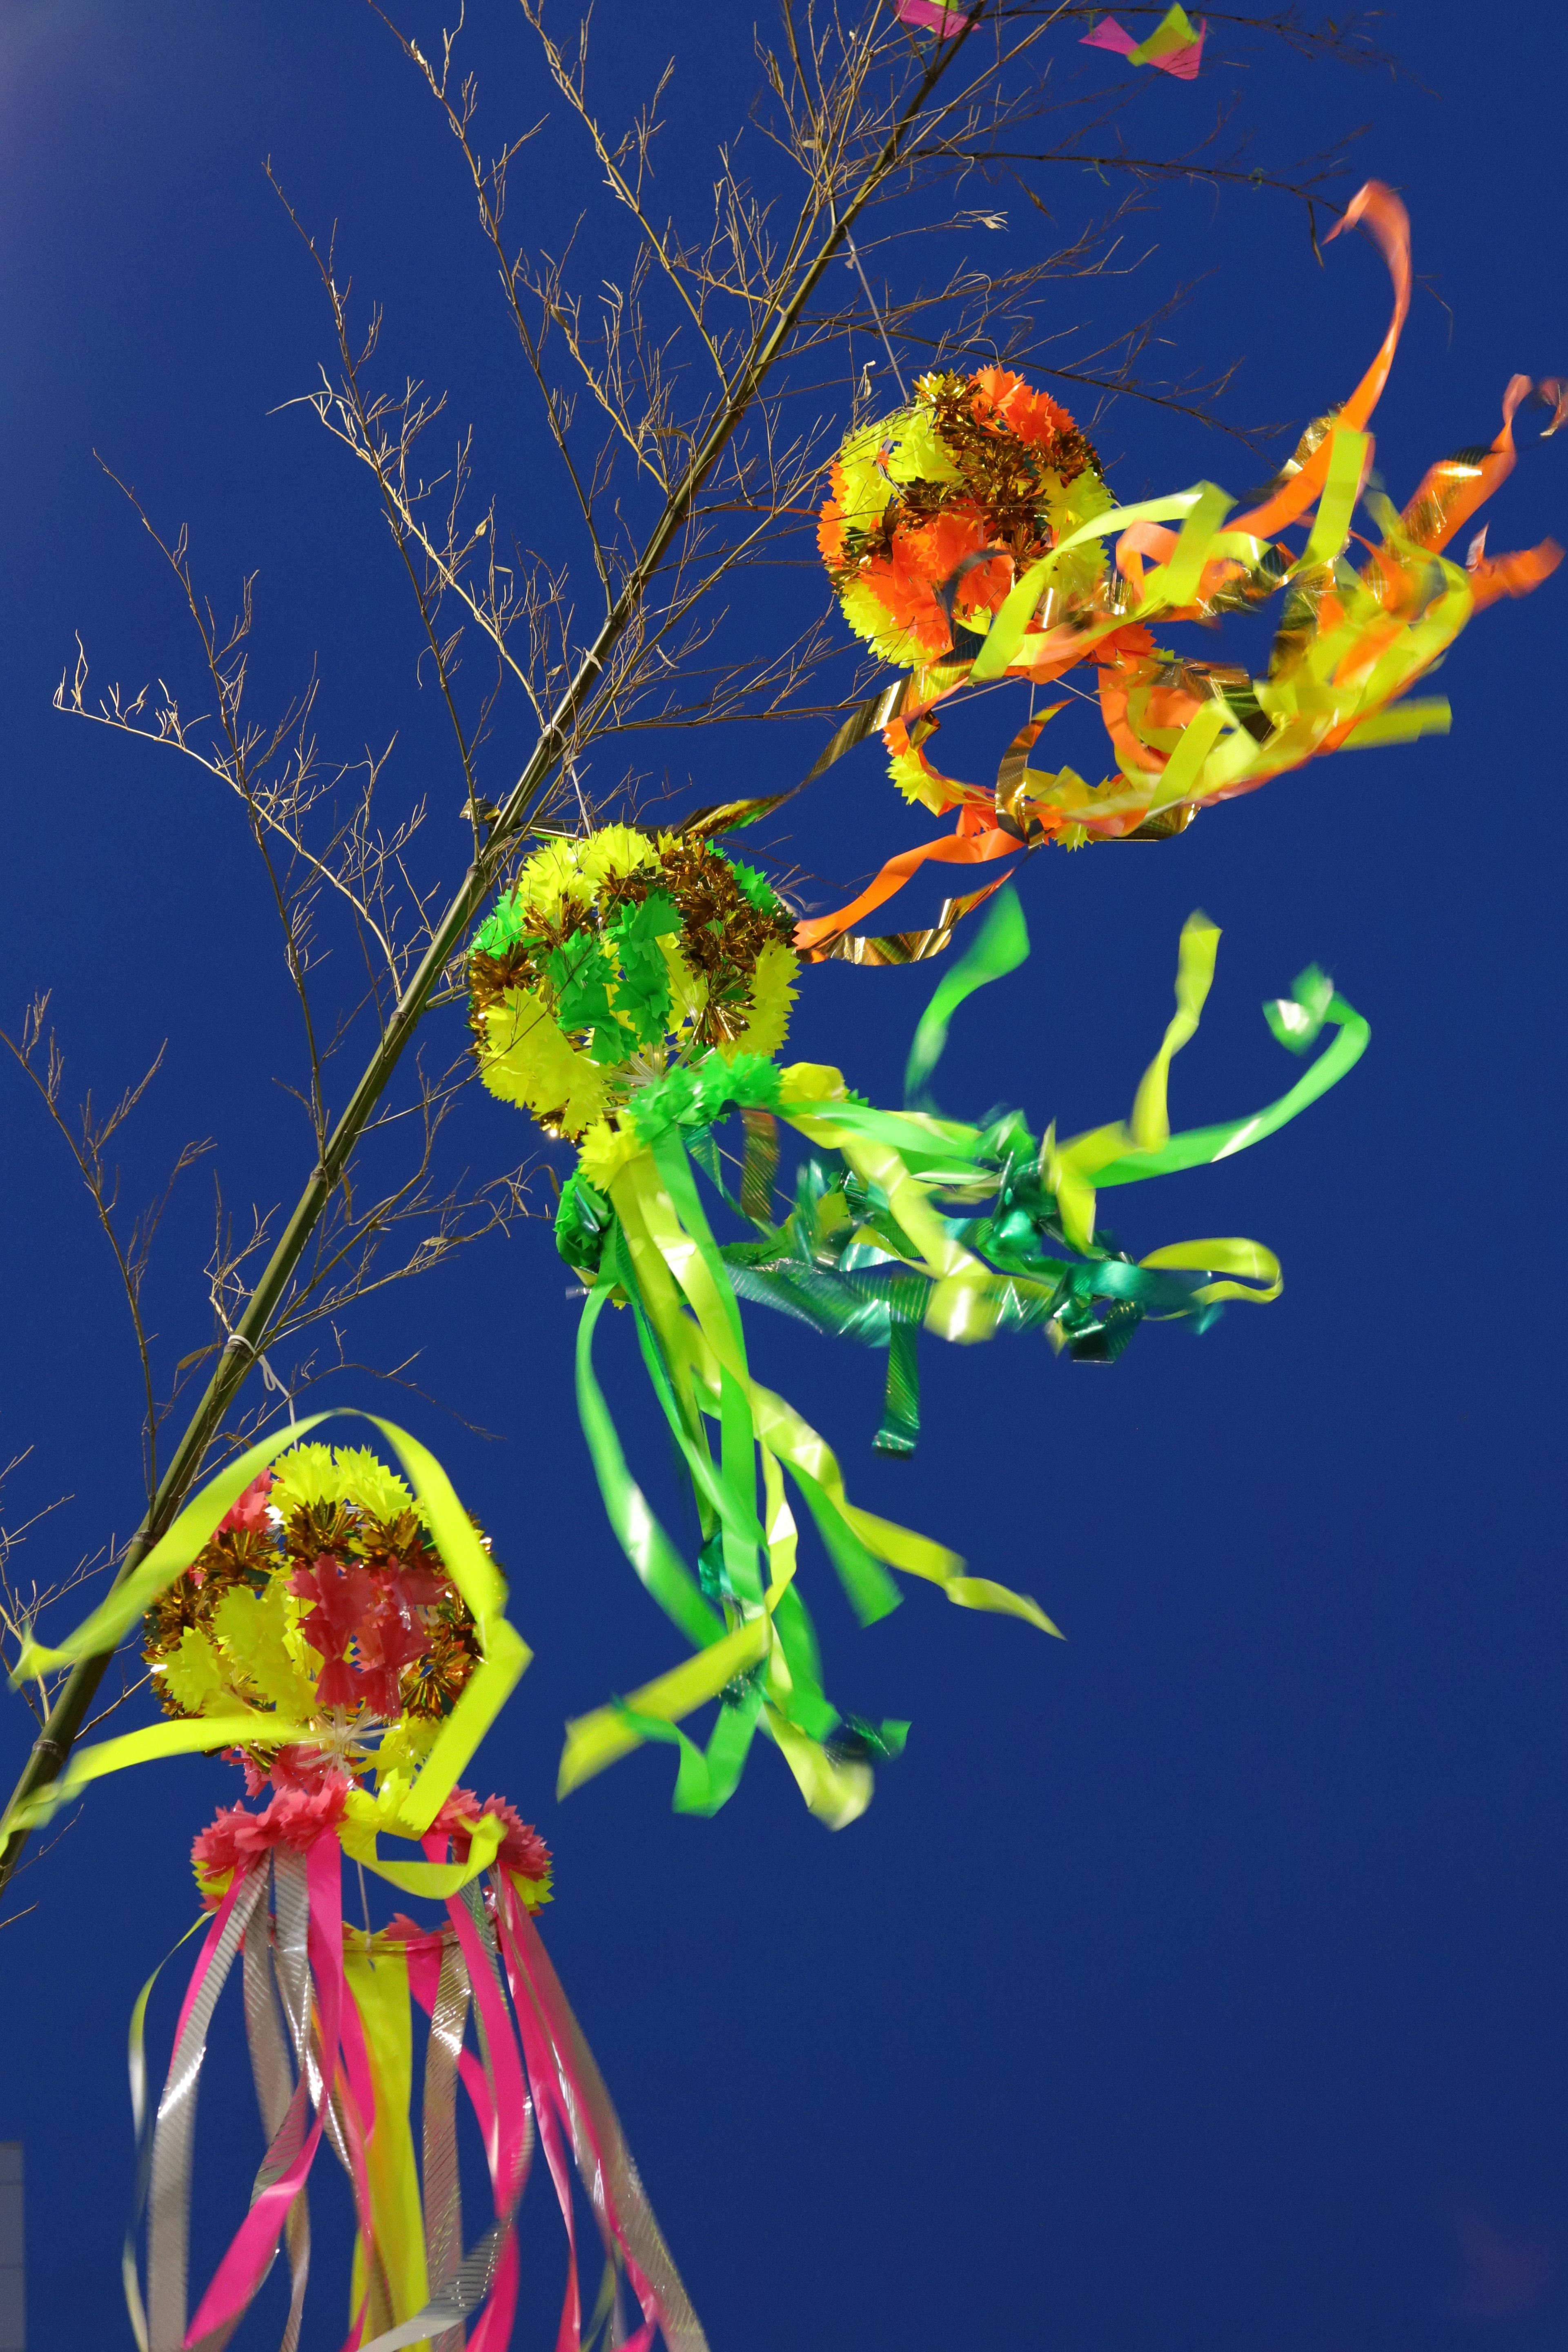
[
  {"x": 1033, "y": 415},
  {"x": 830, "y": 522}
]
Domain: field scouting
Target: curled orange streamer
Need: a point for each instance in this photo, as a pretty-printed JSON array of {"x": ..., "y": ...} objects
[
  {"x": 950, "y": 849},
  {"x": 1389, "y": 224}
]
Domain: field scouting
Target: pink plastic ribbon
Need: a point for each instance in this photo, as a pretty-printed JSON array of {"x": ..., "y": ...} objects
[
  {"x": 508, "y": 2170},
  {"x": 356, "y": 2114},
  {"x": 563, "y": 2063},
  {"x": 204, "y": 1958}
]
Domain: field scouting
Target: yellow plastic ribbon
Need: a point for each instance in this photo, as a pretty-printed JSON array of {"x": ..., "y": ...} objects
[
  {"x": 1228, "y": 1254},
  {"x": 1195, "y": 954},
  {"x": 596, "y": 1741},
  {"x": 378, "y": 1983},
  {"x": 202, "y": 1735},
  {"x": 1071, "y": 1167},
  {"x": 437, "y": 1881}
]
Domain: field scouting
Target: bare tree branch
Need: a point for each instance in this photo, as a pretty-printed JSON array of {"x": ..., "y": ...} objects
[{"x": 870, "y": 146}]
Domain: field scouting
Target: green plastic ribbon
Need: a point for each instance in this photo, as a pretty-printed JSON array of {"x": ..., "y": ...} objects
[
  {"x": 659, "y": 1255},
  {"x": 1002, "y": 946},
  {"x": 912, "y": 1223}
]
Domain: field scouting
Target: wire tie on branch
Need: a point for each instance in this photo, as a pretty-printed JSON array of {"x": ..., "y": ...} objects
[
  {"x": 269, "y": 1379},
  {"x": 855, "y": 264}
]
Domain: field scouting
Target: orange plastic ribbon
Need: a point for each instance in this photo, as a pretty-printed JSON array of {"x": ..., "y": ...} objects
[
  {"x": 951, "y": 849},
  {"x": 1389, "y": 223}
]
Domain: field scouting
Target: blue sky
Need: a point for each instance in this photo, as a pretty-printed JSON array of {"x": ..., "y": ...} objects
[{"x": 1195, "y": 1982}]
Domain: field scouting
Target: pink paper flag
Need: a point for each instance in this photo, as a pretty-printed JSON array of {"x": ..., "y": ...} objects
[
  {"x": 1175, "y": 45},
  {"x": 931, "y": 16}
]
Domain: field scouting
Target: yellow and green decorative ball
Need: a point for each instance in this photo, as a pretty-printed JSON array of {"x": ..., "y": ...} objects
[{"x": 615, "y": 956}]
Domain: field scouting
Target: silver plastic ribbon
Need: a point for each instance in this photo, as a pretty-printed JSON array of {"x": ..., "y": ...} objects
[
  {"x": 141, "y": 2123},
  {"x": 442, "y": 2189},
  {"x": 607, "y": 2170},
  {"x": 276, "y": 2065},
  {"x": 286, "y": 2064},
  {"x": 457, "y": 2301},
  {"x": 173, "y": 2136}
]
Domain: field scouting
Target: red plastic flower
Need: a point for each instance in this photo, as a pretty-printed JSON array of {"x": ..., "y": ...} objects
[
  {"x": 341, "y": 1595},
  {"x": 412, "y": 1586},
  {"x": 248, "y": 1515},
  {"x": 376, "y": 1612},
  {"x": 300, "y": 1816},
  {"x": 310, "y": 1768},
  {"x": 390, "y": 1638},
  {"x": 523, "y": 1851},
  {"x": 235, "y": 1840}
]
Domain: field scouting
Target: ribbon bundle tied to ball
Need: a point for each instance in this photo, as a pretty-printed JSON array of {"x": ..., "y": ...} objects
[
  {"x": 343, "y": 1636},
  {"x": 903, "y": 1222},
  {"x": 966, "y": 539}
]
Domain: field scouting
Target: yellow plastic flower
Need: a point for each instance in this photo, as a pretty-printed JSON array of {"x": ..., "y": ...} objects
[
  {"x": 868, "y": 617},
  {"x": 307, "y": 1473},
  {"x": 772, "y": 996},
  {"x": 551, "y": 878},
  {"x": 367, "y": 1481},
  {"x": 605, "y": 1151},
  {"x": 908, "y": 770},
  {"x": 613, "y": 853},
  {"x": 527, "y": 1060},
  {"x": 252, "y": 1631}
]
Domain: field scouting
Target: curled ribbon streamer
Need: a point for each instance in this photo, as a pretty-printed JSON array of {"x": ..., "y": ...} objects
[
  {"x": 1001, "y": 948},
  {"x": 621, "y": 2205},
  {"x": 933, "y": 1224},
  {"x": 1115, "y": 1154},
  {"x": 1389, "y": 225},
  {"x": 951, "y": 849},
  {"x": 1151, "y": 1119},
  {"x": 1190, "y": 734},
  {"x": 665, "y": 1259},
  {"x": 657, "y": 1563},
  {"x": 434, "y": 1880}
]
